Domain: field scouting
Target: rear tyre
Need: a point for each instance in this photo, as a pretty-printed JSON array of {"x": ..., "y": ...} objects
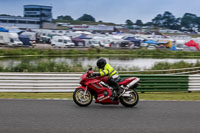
[
  {"x": 81, "y": 99},
  {"x": 130, "y": 101}
]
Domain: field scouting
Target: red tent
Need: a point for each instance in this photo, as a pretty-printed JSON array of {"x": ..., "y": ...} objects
[{"x": 192, "y": 43}]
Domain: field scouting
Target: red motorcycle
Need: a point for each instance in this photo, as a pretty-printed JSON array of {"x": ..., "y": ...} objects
[{"x": 103, "y": 93}]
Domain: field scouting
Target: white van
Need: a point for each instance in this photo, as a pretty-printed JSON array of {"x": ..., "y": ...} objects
[
  {"x": 10, "y": 39},
  {"x": 31, "y": 36},
  {"x": 94, "y": 43},
  {"x": 180, "y": 44},
  {"x": 103, "y": 41},
  {"x": 62, "y": 41}
]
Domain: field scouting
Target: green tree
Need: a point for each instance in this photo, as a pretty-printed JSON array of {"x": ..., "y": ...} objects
[
  {"x": 60, "y": 17},
  {"x": 177, "y": 24},
  {"x": 167, "y": 20},
  {"x": 67, "y": 17},
  {"x": 4, "y": 15},
  {"x": 189, "y": 21},
  {"x": 157, "y": 21},
  {"x": 139, "y": 22},
  {"x": 198, "y": 23},
  {"x": 86, "y": 17},
  {"x": 129, "y": 22},
  {"x": 148, "y": 24}
]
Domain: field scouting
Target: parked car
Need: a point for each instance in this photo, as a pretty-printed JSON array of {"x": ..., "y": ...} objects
[
  {"x": 122, "y": 44},
  {"x": 45, "y": 39},
  {"x": 78, "y": 42},
  {"x": 62, "y": 41},
  {"x": 144, "y": 44},
  {"x": 105, "y": 43},
  {"x": 94, "y": 43},
  {"x": 151, "y": 47},
  {"x": 161, "y": 47}
]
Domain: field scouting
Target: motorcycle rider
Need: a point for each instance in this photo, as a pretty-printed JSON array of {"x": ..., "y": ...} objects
[{"x": 107, "y": 69}]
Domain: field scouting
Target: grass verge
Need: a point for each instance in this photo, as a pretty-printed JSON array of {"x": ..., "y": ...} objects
[
  {"x": 91, "y": 52},
  {"x": 180, "y": 96},
  {"x": 35, "y": 95},
  {"x": 50, "y": 66}
]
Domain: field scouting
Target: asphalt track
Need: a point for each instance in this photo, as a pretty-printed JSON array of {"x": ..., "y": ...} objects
[{"x": 61, "y": 116}]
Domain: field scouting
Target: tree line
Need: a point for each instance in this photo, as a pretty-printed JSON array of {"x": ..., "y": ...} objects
[
  {"x": 189, "y": 22},
  {"x": 85, "y": 17}
]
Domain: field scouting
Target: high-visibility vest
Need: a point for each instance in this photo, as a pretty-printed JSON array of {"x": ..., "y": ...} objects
[{"x": 108, "y": 70}]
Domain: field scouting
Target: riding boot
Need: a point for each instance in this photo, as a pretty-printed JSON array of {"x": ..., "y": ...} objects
[
  {"x": 116, "y": 88},
  {"x": 114, "y": 96}
]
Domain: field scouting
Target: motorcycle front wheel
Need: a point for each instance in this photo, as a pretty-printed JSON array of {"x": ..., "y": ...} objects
[
  {"x": 81, "y": 97},
  {"x": 130, "y": 101}
]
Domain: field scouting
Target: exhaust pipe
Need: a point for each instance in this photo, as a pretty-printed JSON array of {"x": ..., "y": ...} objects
[{"x": 133, "y": 83}]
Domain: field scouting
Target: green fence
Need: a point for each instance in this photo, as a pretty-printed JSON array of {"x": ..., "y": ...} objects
[
  {"x": 67, "y": 82},
  {"x": 153, "y": 83}
]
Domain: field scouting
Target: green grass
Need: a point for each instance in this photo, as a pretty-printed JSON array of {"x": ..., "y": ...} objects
[
  {"x": 176, "y": 65},
  {"x": 35, "y": 95},
  {"x": 44, "y": 67},
  {"x": 96, "y": 52},
  {"x": 180, "y": 96},
  {"x": 50, "y": 66}
]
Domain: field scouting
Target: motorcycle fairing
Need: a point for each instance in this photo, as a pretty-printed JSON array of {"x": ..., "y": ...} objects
[{"x": 127, "y": 81}]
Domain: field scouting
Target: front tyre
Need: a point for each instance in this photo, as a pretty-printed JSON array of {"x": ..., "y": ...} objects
[
  {"x": 130, "y": 101},
  {"x": 81, "y": 97}
]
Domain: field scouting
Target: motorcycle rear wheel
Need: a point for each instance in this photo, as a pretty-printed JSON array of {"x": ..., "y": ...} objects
[
  {"x": 130, "y": 101},
  {"x": 80, "y": 99}
]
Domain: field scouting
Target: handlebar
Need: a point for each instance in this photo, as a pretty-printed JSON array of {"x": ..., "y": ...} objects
[{"x": 90, "y": 73}]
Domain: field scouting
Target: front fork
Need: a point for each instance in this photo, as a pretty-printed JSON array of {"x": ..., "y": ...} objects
[{"x": 85, "y": 91}]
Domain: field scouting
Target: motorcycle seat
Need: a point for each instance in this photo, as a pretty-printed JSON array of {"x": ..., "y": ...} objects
[{"x": 127, "y": 81}]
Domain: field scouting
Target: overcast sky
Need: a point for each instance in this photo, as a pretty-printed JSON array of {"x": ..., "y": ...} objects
[{"x": 117, "y": 11}]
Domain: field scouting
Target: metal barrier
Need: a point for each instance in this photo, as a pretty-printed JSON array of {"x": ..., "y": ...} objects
[
  {"x": 38, "y": 82},
  {"x": 151, "y": 83},
  {"x": 67, "y": 82},
  {"x": 194, "y": 83}
]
